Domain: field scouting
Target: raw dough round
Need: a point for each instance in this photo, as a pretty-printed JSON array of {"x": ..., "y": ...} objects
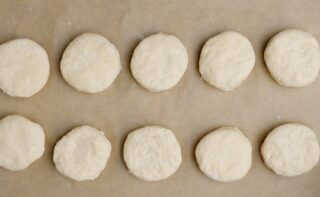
[
  {"x": 152, "y": 153},
  {"x": 224, "y": 154},
  {"x": 226, "y": 60},
  {"x": 293, "y": 58},
  {"x": 24, "y": 67},
  {"x": 90, "y": 63},
  {"x": 291, "y": 149},
  {"x": 21, "y": 142},
  {"x": 82, "y": 154},
  {"x": 159, "y": 62}
]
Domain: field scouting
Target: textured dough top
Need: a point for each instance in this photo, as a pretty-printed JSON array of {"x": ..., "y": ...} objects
[
  {"x": 159, "y": 62},
  {"x": 24, "y": 67},
  {"x": 152, "y": 153},
  {"x": 21, "y": 142},
  {"x": 90, "y": 63},
  {"x": 225, "y": 154},
  {"x": 291, "y": 149},
  {"x": 82, "y": 154},
  {"x": 293, "y": 58},
  {"x": 226, "y": 60}
]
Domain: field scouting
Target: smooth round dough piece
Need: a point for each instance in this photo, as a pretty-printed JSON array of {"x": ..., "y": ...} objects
[
  {"x": 293, "y": 58},
  {"x": 24, "y": 67},
  {"x": 90, "y": 63},
  {"x": 226, "y": 60},
  {"x": 82, "y": 154},
  {"x": 21, "y": 142},
  {"x": 224, "y": 155},
  {"x": 159, "y": 62},
  {"x": 152, "y": 153},
  {"x": 291, "y": 149}
]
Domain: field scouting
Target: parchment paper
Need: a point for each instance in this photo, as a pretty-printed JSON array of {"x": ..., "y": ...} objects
[{"x": 191, "y": 109}]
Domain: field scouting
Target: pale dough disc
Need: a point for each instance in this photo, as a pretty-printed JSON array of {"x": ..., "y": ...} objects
[
  {"x": 291, "y": 149},
  {"x": 24, "y": 67},
  {"x": 224, "y": 154},
  {"x": 159, "y": 62},
  {"x": 152, "y": 153},
  {"x": 82, "y": 154},
  {"x": 90, "y": 63},
  {"x": 226, "y": 60},
  {"x": 21, "y": 142},
  {"x": 293, "y": 58}
]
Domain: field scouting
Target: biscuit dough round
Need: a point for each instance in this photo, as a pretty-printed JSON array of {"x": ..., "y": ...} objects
[
  {"x": 159, "y": 62},
  {"x": 291, "y": 149},
  {"x": 224, "y": 154},
  {"x": 82, "y": 154},
  {"x": 90, "y": 63},
  {"x": 21, "y": 142},
  {"x": 24, "y": 67},
  {"x": 293, "y": 58},
  {"x": 152, "y": 153},
  {"x": 226, "y": 60}
]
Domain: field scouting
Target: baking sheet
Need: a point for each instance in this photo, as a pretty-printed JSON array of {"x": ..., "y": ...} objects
[{"x": 191, "y": 109}]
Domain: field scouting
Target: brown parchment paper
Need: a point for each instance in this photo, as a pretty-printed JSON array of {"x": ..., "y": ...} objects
[{"x": 191, "y": 109}]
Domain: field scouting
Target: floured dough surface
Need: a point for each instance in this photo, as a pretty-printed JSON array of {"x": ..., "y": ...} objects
[
  {"x": 24, "y": 67},
  {"x": 90, "y": 63},
  {"x": 224, "y": 155},
  {"x": 159, "y": 62},
  {"x": 293, "y": 58},
  {"x": 226, "y": 60},
  {"x": 82, "y": 154},
  {"x": 152, "y": 153},
  {"x": 21, "y": 142},
  {"x": 291, "y": 149}
]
